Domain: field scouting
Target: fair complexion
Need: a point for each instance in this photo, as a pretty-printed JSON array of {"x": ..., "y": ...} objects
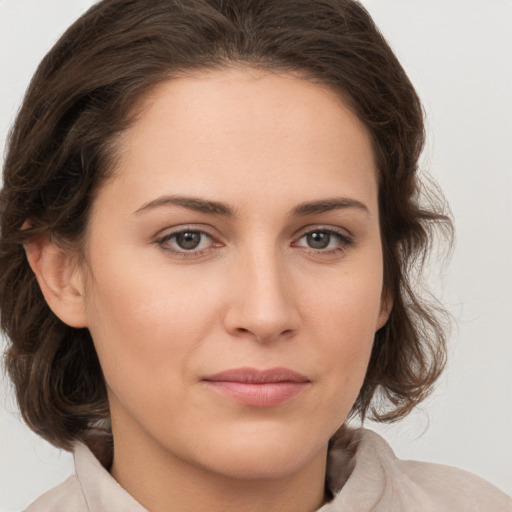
[{"x": 240, "y": 231}]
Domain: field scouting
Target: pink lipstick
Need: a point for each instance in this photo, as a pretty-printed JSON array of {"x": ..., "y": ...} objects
[{"x": 258, "y": 388}]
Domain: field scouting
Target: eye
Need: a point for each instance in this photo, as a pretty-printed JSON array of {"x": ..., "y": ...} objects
[
  {"x": 326, "y": 240},
  {"x": 186, "y": 241}
]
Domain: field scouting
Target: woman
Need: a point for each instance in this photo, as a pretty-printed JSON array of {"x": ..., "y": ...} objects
[{"x": 218, "y": 201}]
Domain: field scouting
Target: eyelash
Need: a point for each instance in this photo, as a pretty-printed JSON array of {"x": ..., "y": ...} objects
[
  {"x": 344, "y": 242},
  {"x": 163, "y": 242}
]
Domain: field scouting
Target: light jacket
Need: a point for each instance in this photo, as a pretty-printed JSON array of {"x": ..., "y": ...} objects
[{"x": 363, "y": 475}]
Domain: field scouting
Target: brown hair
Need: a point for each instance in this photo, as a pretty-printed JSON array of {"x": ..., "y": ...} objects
[{"x": 61, "y": 150}]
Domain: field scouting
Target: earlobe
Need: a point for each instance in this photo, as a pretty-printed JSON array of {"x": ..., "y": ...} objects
[
  {"x": 386, "y": 306},
  {"x": 59, "y": 278}
]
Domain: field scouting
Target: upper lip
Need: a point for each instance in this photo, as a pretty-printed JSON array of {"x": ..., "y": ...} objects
[{"x": 255, "y": 376}]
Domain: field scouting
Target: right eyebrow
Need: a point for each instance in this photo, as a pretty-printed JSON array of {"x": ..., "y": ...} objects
[{"x": 192, "y": 203}]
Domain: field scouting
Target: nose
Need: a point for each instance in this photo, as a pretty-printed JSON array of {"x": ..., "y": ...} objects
[{"x": 263, "y": 304}]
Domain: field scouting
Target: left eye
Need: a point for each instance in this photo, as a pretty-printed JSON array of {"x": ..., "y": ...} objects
[
  {"x": 187, "y": 240},
  {"x": 321, "y": 239}
]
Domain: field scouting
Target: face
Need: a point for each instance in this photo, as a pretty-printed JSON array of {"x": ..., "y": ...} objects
[{"x": 234, "y": 272}]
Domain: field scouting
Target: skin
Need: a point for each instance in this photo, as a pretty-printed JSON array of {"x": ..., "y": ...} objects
[{"x": 254, "y": 293}]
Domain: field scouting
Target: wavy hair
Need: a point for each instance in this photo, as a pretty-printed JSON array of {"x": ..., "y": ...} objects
[{"x": 62, "y": 148}]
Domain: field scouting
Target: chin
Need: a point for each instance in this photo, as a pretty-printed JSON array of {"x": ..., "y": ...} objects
[
  {"x": 259, "y": 466},
  {"x": 262, "y": 456}
]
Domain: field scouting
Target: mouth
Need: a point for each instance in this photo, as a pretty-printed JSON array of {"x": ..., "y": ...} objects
[{"x": 258, "y": 388}]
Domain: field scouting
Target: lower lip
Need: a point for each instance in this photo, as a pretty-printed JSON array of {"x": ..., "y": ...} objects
[{"x": 266, "y": 394}]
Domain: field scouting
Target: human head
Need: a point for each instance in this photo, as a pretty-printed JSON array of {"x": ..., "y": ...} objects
[{"x": 63, "y": 146}]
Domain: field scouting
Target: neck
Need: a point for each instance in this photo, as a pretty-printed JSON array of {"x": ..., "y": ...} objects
[{"x": 163, "y": 482}]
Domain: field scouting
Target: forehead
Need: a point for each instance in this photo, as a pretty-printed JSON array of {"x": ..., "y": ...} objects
[
  {"x": 231, "y": 132},
  {"x": 248, "y": 105}
]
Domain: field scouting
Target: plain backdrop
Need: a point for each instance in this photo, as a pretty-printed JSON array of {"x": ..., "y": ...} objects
[{"x": 458, "y": 54}]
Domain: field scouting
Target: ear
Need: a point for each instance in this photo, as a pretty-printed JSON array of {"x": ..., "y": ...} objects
[
  {"x": 386, "y": 305},
  {"x": 59, "y": 278}
]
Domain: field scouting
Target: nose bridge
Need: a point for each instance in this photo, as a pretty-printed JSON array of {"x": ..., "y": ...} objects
[{"x": 263, "y": 303}]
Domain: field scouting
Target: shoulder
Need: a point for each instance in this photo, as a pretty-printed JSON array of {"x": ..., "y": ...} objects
[
  {"x": 91, "y": 489},
  {"x": 65, "y": 497},
  {"x": 449, "y": 488},
  {"x": 381, "y": 481}
]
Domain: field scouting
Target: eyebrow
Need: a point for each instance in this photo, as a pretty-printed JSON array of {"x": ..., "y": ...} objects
[
  {"x": 327, "y": 205},
  {"x": 192, "y": 203},
  {"x": 217, "y": 208}
]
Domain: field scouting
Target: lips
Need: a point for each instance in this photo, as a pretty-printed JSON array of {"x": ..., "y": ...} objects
[{"x": 258, "y": 388}]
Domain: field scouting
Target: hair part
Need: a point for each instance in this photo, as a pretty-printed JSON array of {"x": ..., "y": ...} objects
[{"x": 63, "y": 145}]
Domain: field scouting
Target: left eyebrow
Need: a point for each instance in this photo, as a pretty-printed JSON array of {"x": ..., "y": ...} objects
[{"x": 327, "y": 205}]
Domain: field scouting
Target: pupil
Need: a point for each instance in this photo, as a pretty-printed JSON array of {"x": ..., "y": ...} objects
[
  {"x": 188, "y": 240},
  {"x": 318, "y": 240}
]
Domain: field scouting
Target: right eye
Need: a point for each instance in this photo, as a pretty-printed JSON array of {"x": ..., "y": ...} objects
[{"x": 186, "y": 242}]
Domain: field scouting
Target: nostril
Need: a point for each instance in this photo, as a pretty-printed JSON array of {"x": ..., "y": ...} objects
[{"x": 265, "y": 337}]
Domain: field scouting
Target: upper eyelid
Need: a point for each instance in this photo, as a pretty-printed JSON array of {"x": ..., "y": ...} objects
[
  {"x": 174, "y": 232},
  {"x": 206, "y": 229},
  {"x": 169, "y": 236},
  {"x": 214, "y": 233},
  {"x": 180, "y": 228},
  {"x": 343, "y": 238},
  {"x": 323, "y": 227},
  {"x": 165, "y": 240}
]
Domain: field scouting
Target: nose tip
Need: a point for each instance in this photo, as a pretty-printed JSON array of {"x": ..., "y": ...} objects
[{"x": 263, "y": 305}]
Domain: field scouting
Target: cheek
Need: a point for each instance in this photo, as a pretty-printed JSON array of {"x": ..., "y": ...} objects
[
  {"x": 343, "y": 320},
  {"x": 145, "y": 324}
]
